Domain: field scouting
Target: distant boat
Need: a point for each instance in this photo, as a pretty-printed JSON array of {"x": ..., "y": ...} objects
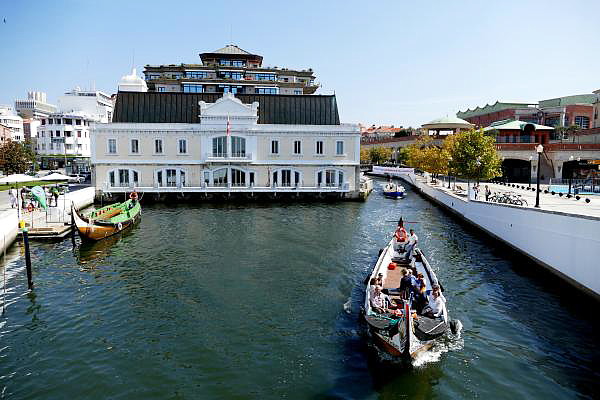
[
  {"x": 393, "y": 190},
  {"x": 107, "y": 221},
  {"x": 402, "y": 333}
]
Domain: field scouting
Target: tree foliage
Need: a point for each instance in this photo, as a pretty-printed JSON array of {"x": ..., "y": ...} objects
[
  {"x": 15, "y": 157},
  {"x": 425, "y": 155},
  {"x": 473, "y": 155},
  {"x": 380, "y": 155}
]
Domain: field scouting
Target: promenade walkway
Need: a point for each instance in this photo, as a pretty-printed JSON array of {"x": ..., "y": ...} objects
[{"x": 548, "y": 202}]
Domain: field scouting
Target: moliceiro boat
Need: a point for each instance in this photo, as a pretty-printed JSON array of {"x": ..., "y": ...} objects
[
  {"x": 109, "y": 220},
  {"x": 393, "y": 190},
  {"x": 406, "y": 325}
]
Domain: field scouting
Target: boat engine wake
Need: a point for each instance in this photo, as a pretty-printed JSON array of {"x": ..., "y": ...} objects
[
  {"x": 454, "y": 342},
  {"x": 348, "y": 306}
]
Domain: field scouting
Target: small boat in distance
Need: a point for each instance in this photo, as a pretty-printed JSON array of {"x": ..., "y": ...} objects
[
  {"x": 403, "y": 331},
  {"x": 393, "y": 190},
  {"x": 108, "y": 220}
]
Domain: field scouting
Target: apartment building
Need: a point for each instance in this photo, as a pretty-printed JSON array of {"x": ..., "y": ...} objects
[{"x": 229, "y": 70}]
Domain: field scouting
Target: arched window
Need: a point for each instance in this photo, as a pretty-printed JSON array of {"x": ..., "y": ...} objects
[
  {"x": 220, "y": 177},
  {"x": 123, "y": 178},
  {"x": 170, "y": 177},
  {"x": 286, "y": 177},
  {"x": 228, "y": 176},
  {"x": 330, "y": 178},
  {"x": 238, "y": 146}
]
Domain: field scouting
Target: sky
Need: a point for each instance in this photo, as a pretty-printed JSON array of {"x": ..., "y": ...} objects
[{"x": 388, "y": 62}]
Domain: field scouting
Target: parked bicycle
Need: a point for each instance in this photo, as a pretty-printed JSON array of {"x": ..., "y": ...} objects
[{"x": 508, "y": 198}]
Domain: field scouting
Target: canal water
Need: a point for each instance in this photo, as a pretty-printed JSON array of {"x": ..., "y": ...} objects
[{"x": 262, "y": 301}]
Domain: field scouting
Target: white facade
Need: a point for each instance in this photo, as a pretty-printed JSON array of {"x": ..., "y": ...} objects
[
  {"x": 95, "y": 104},
  {"x": 178, "y": 157},
  {"x": 11, "y": 120},
  {"x": 64, "y": 134},
  {"x": 35, "y": 106}
]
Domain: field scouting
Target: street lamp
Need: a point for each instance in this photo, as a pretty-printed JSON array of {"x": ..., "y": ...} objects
[
  {"x": 449, "y": 161},
  {"x": 570, "y": 175},
  {"x": 539, "y": 149},
  {"x": 530, "y": 158}
]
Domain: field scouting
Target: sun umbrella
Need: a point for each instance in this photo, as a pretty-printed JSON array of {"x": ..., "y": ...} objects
[
  {"x": 55, "y": 176},
  {"x": 18, "y": 178}
]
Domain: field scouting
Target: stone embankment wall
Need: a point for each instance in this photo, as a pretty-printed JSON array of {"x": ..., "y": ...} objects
[
  {"x": 9, "y": 223},
  {"x": 566, "y": 244}
]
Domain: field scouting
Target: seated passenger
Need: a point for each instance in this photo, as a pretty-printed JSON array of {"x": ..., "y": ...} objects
[
  {"x": 380, "y": 279},
  {"x": 436, "y": 303},
  {"x": 379, "y": 301}
]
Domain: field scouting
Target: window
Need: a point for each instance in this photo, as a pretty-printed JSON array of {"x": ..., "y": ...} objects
[
  {"x": 219, "y": 146},
  {"x": 319, "y": 148},
  {"x": 286, "y": 177},
  {"x": 160, "y": 89},
  {"x": 77, "y": 122},
  {"x": 158, "y": 146},
  {"x": 135, "y": 146},
  {"x": 78, "y": 133},
  {"x": 582, "y": 122},
  {"x": 266, "y": 90},
  {"x": 68, "y": 121},
  {"x": 230, "y": 89},
  {"x": 297, "y": 91},
  {"x": 196, "y": 74},
  {"x": 330, "y": 178},
  {"x": 265, "y": 77},
  {"x": 274, "y": 146},
  {"x": 190, "y": 88},
  {"x": 170, "y": 177},
  {"x": 232, "y": 75},
  {"x": 339, "y": 147},
  {"x": 57, "y": 133},
  {"x": 150, "y": 77},
  {"x": 123, "y": 178},
  {"x": 182, "y": 146},
  {"x": 68, "y": 133},
  {"x": 43, "y": 122},
  {"x": 233, "y": 63},
  {"x": 112, "y": 146},
  {"x": 220, "y": 177},
  {"x": 238, "y": 146},
  {"x": 238, "y": 177},
  {"x": 297, "y": 147},
  {"x": 552, "y": 121}
]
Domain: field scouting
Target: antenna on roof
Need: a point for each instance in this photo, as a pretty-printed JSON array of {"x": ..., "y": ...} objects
[{"x": 132, "y": 59}]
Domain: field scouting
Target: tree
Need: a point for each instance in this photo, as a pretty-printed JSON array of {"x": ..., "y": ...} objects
[
  {"x": 473, "y": 155},
  {"x": 402, "y": 155},
  {"x": 379, "y": 155},
  {"x": 364, "y": 156},
  {"x": 15, "y": 157}
]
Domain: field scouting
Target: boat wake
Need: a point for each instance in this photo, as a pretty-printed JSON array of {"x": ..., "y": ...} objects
[
  {"x": 348, "y": 306},
  {"x": 453, "y": 343}
]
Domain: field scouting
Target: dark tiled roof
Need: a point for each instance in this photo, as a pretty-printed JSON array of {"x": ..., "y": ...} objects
[{"x": 156, "y": 107}]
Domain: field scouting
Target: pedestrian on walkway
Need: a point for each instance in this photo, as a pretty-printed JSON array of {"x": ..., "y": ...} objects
[
  {"x": 12, "y": 196},
  {"x": 488, "y": 193}
]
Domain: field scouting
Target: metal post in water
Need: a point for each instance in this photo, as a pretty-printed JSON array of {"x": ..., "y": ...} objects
[{"x": 27, "y": 259}]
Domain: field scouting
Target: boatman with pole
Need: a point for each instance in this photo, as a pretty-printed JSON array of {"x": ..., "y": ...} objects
[{"x": 412, "y": 242}]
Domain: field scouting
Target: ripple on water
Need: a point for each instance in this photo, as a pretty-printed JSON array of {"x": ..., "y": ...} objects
[{"x": 262, "y": 301}]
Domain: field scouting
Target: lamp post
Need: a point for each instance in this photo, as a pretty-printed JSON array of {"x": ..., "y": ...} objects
[
  {"x": 449, "y": 161},
  {"x": 539, "y": 149},
  {"x": 530, "y": 158},
  {"x": 570, "y": 175}
]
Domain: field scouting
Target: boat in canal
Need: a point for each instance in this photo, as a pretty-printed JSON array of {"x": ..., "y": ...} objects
[
  {"x": 403, "y": 332},
  {"x": 393, "y": 190},
  {"x": 107, "y": 221}
]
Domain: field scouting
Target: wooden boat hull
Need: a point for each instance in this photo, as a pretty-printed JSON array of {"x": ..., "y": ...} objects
[{"x": 89, "y": 230}]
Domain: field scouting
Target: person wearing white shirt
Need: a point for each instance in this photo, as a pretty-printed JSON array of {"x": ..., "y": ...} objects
[
  {"x": 412, "y": 242},
  {"x": 379, "y": 301},
  {"x": 436, "y": 303}
]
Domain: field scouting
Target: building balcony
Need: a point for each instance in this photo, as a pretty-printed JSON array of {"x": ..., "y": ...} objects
[
  {"x": 224, "y": 188},
  {"x": 227, "y": 157}
]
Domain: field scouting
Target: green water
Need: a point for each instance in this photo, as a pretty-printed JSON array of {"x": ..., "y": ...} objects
[{"x": 262, "y": 302}]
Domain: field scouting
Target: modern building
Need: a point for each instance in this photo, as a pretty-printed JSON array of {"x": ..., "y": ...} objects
[
  {"x": 208, "y": 144},
  {"x": 35, "y": 106},
  {"x": 596, "y": 122},
  {"x": 229, "y": 70},
  {"x": 577, "y": 110},
  {"x": 63, "y": 138},
  {"x": 11, "y": 120},
  {"x": 520, "y": 132},
  {"x": 95, "y": 104}
]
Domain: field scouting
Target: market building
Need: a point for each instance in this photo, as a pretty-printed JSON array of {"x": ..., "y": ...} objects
[
  {"x": 229, "y": 70},
  {"x": 207, "y": 144}
]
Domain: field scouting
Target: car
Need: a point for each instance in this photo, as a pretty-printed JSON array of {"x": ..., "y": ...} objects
[{"x": 76, "y": 178}]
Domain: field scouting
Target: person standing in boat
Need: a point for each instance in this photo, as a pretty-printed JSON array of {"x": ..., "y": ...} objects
[
  {"x": 412, "y": 242},
  {"x": 436, "y": 303}
]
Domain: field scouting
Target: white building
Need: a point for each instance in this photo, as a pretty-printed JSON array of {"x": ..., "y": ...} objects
[
  {"x": 205, "y": 144},
  {"x": 11, "y": 120},
  {"x": 95, "y": 104},
  {"x": 35, "y": 106}
]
